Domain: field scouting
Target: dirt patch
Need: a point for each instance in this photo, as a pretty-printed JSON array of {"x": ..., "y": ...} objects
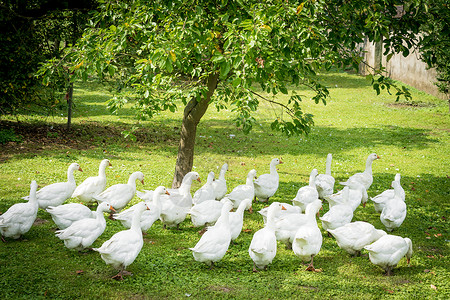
[
  {"x": 309, "y": 288},
  {"x": 39, "y": 221},
  {"x": 220, "y": 288},
  {"x": 410, "y": 104},
  {"x": 36, "y": 137}
]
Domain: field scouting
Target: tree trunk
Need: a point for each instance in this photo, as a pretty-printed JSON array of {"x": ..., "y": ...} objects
[
  {"x": 69, "y": 97},
  {"x": 193, "y": 112}
]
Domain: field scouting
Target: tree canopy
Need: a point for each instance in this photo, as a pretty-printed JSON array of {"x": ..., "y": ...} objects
[
  {"x": 217, "y": 53},
  {"x": 32, "y": 32}
]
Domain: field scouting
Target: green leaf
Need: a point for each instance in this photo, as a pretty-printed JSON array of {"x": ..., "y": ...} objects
[
  {"x": 111, "y": 70},
  {"x": 225, "y": 67},
  {"x": 236, "y": 82},
  {"x": 168, "y": 65}
]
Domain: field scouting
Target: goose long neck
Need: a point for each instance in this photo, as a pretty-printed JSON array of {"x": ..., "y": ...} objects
[
  {"x": 241, "y": 208},
  {"x": 368, "y": 166},
  {"x": 102, "y": 170},
  {"x": 136, "y": 221},
  {"x": 224, "y": 218},
  {"x": 132, "y": 182},
  {"x": 249, "y": 181},
  {"x": 185, "y": 187},
  {"x": 273, "y": 169},
  {"x": 70, "y": 176},
  {"x": 312, "y": 180},
  {"x": 410, "y": 249},
  {"x": 398, "y": 190},
  {"x": 99, "y": 215},
  {"x": 311, "y": 214},
  {"x": 328, "y": 165},
  {"x": 270, "y": 219},
  {"x": 222, "y": 174},
  {"x": 156, "y": 197},
  {"x": 32, "y": 198}
]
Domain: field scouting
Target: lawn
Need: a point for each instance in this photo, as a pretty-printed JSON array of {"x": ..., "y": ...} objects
[{"x": 412, "y": 138}]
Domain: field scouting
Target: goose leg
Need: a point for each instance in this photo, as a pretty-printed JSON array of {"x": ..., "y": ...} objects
[
  {"x": 3, "y": 239},
  {"x": 311, "y": 266},
  {"x": 119, "y": 275},
  {"x": 255, "y": 270}
]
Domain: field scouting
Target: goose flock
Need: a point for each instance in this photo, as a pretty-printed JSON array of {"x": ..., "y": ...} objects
[{"x": 212, "y": 207}]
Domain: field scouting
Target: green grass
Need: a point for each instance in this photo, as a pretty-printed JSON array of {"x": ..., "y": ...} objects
[{"x": 411, "y": 139}]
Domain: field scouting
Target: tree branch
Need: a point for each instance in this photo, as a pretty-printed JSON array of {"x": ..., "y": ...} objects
[{"x": 288, "y": 110}]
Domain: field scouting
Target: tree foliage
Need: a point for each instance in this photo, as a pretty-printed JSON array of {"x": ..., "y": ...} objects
[
  {"x": 435, "y": 41},
  {"x": 32, "y": 32},
  {"x": 220, "y": 52}
]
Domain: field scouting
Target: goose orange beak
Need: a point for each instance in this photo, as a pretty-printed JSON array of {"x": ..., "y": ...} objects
[
  {"x": 283, "y": 208},
  {"x": 112, "y": 209},
  {"x": 167, "y": 193},
  {"x": 79, "y": 169}
]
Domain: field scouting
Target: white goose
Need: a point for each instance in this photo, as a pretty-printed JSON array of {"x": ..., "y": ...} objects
[
  {"x": 353, "y": 237},
  {"x": 308, "y": 241},
  {"x": 267, "y": 184},
  {"x": 119, "y": 195},
  {"x": 180, "y": 196},
  {"x": 263, "y": 246},
  {"x": 307, "y": 194},
  {"x": 325, "y": 182},
  {"x": 380, "y": 199},
  {"x": 394, "y": 211},
  {"x": 207, "y": 212},
  {"x": 366, "y": 177},
  {"x": 357, "y": 195},
  {"x": 338, "y": 215},
  {"x": 287, "y": 225},
  {"x": 55, "y": 194},
  {"x": 149, "y": 216},
  {"x": 244, "y": 191},
  {"x": 214, "y": 243},
  {"x": 124, "y": 246},
  {"x": 64, "y": 215},
  {"x": 237, "y": 219},
  {"x": 19, "y": 218},
  {"x": 206, "y": 192},
  {"x": 288, "y": 209},
  {"x": 92, "y": 186},
  {"x": 387, "y": 251},
  {"x": 83, "y": 233},
  {"x": 220, "y": 184},
  {"x": 176, "y": 206}
]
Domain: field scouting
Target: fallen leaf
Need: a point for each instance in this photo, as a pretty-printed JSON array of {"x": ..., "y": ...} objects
[
  {"x": 426, "y": 271},
  {"x": 433, "y": 287},
  {"x": 318, "y": 270},
  {"x": 79, "y": 271},
  {"x": 430, "y": 256}
]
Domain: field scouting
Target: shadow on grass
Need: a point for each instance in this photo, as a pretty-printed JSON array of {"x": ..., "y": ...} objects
[{"x": 213, "y": 138}]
